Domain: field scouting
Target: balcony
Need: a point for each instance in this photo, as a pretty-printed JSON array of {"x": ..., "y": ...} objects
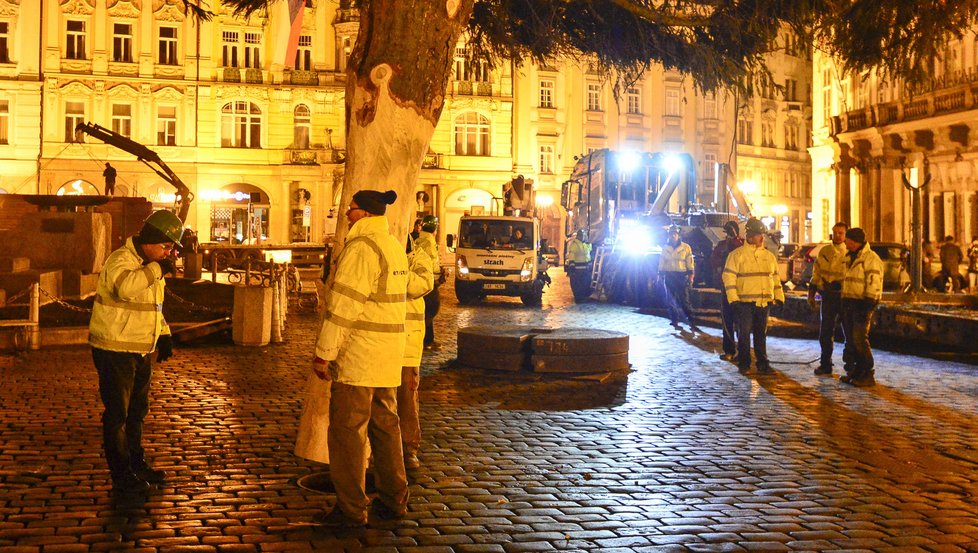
[
  {"x": 432, "y": 161},
  {"x": 347, "y": 15},
  {"x": 952, "y": 94},
  {"x": 231, "y": 75},
  {"x": 302, "y": 157},
  {"x": 254, "y": 76},
  {"x": 470, "y": 88},
  {"x": 308, "y": 78}
]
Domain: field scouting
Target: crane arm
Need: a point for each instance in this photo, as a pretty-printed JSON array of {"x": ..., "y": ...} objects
[{"x": 150, "y": 158}]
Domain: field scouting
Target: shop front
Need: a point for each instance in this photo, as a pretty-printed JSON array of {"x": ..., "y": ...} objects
[{"x": 239, "y": 214}]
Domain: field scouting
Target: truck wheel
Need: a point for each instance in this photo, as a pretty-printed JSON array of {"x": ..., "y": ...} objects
[
  {"x": 222, "y": 259},
  {"x": 533, "y": 298},
  {"x": 465, "y": 295}
]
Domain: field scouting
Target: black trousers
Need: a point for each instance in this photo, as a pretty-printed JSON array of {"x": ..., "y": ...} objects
[
  {"x": 751, "y": 321},
  {"x": 857, "y": 321},
  {"x": 123, "y": 384},
  {"x": 580, "y": 280},
  {"x": 831, "y": 317},
  {"x": 432, "y": 304},
  {"x": 677, "y": 285},
  {"x": 728, "y": 322}
]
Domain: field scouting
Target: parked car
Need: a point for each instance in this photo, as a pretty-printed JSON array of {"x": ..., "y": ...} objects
[
  {"x": 550, "y": 254},
  {"x": 784, "y": 260},
  {"x": 893, "y": 255}
]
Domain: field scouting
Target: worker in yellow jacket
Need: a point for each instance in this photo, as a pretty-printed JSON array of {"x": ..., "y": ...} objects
[
  {"x": 751, "y": 282},
  {"x": 578, "y": 266},
  {"x": 126, "y": 327},
  {"x": 862, "y": 289},
  {"x": 676, "y": 269},
  {"x": 420, "y": 282},
  {"x": 360, "y": 350},
  {"x": 827, "y": 274}
]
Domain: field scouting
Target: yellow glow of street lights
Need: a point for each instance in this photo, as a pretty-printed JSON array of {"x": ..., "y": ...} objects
[
  {"x": 544, "y": 200},
  {"x": 747, "y": 186},
  {"x": 779, "y": 209}
]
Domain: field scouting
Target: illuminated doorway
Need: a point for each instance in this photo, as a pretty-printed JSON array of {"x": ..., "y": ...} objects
[
  {"x": 78, "y": 187},
  {"x": 239, "y": 214}
]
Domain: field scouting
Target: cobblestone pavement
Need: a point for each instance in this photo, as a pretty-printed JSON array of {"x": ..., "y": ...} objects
[{"x": 684, "y": 454}]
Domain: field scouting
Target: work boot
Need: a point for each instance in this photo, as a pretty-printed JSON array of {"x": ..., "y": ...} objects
[
  {"x": 149, "y": 474},
  {"x": 728, "y": 356},
  {"x": 385, "y": 512},
  {"x": 864, "y": 382},
  {"x": 823, "y": 371},
  {"x": 743, "y": 369},
  {"x": 411, "y": 461},
  {"x": 845, "y": 379},
  {"x": 337, "y": 519},
  {"x": 129, "y": 484},
  {"x": 766, "y": 369}
]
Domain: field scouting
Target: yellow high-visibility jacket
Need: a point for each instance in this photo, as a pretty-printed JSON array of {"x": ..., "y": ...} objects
[
  {"x": 421, "y": 280},
  {"x": 678, "y": 259},
  {"x": 864, "y": 276},
  {"x": 426, "y": 242},
  {"x": 830, "y": 265},
  {"x": 128, "y": 311},
  {"x": 578, "y": 251},
  {"x": 751, "y": 275},
  {"x": 363, "y": 325}
]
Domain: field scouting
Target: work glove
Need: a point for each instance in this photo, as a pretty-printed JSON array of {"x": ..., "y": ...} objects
[
  {"x": 323, "y": 368},
  {"x": 164, "y": 348},
  {"x": 168, "y": 266},
  {"x": 811, "y": 299}
]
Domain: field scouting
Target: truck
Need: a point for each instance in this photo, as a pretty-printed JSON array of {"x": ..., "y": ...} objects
[
  {"x": 626, "y": 201},
  {"x": 216, "y": 255},
  {"x": 499, "y": 254}
]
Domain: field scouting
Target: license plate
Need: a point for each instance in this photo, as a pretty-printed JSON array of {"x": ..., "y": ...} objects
[{"x": 492, "y": 286}]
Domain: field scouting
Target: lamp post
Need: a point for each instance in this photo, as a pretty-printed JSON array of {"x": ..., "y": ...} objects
[{"x": 916, "y": 232}]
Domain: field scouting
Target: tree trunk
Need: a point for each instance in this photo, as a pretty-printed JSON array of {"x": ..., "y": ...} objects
[{"x": 396, "y": 82}]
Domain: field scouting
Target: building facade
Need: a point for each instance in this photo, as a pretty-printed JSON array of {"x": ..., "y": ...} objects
[
  {"x": 260, "y": 139},
  {"x": 872, "y": 139}
]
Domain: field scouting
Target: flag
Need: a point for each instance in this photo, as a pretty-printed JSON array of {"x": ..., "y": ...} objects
[{"x": 290, "y": 29}]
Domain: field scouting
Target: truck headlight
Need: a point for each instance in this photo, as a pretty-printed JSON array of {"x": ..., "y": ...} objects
[
  {"x": 526, "y": 272},
  {"x": 462, "y": 267}
]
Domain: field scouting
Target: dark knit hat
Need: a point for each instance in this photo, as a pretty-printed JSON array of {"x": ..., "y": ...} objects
[
  {"x": 374, "y": 202},
  {"x": 856, "y": 235},
  {"x": 731, "y": 228}
]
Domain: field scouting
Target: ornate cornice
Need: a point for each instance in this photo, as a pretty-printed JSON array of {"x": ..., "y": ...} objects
[
  {"x": 168, "y": 11},
  {"x": 77, "y": 7},
  {"x": 123, "y": 91},
  {"x": 9, "y": 8},
  {"x": 125, "y": 9}
]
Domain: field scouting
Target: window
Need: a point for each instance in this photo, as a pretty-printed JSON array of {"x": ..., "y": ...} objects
[
  {"x": 471, "y": 135},
  {"x": 767, "y": 134},
  {"x": 672, "y": 102},
  {"x": 547, "y": 160},
  {"x": 122, "y": 42},
  {"x": 710, "y": 106},
  {"x": 633, "y": 100},
  {"x": 467, "y": 69},
  {"x": 303, "y": 55},
  {"x": 240, "y": 125},
  {"x": 74, "y": 116},
  {"x": 709, "y": 166},
  {"x": 594, "y": 97},
  {"x": 346, "y": 45},
  {"x": 168, "y": 46},
  {"x": 547, "y": 93},
  {"x": 745, "y": 131},
  {"x": 827, "y": 94},
  {"x": 230, "y": 53},
  {"x": 301, "y": 130},
  {"x": 252, "y": 50},
  {"x": 790, "y": 136},
  {"x": 4, "y": 42},
  {"x": 122, "y": 119},
  {"x": 75, "y": 41},
  {"x": 166, "y": 126},
  {"x": 791, "y": 90},
  {"x": 4, "y": 121}
]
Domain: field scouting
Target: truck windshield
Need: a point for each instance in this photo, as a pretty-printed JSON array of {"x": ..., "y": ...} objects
[{"x": 487, "y": 233}]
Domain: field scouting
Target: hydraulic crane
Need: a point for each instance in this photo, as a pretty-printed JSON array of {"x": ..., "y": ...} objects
[{"x": 150, "y": 158}]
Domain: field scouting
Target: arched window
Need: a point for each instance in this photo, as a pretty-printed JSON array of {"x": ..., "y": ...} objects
[
  {"x": 240, "y": 125},
  {"x": 471, "y": 135},
  {"x": 302, "y": 129}
]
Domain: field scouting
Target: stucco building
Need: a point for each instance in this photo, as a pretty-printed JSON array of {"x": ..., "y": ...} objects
[
  {"x": 869, "y": 135},
  {"x": 260, "y": 138}
]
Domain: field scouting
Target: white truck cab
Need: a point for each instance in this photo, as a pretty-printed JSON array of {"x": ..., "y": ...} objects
[{"x": 498, "y": 255}]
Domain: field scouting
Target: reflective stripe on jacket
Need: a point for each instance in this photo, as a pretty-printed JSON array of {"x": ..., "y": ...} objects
[
  {"x": 420, "y": 282},
  {"x": 678, "y": 259},
  {"x": 578, "y": 251},
  {"x": 751, "y": 275},
  {"x": 864, "y": 276},
  {"x": 363, "y": 325},
  {"x": 128, "y": 311},
  {"x": 830, "y": 265}
]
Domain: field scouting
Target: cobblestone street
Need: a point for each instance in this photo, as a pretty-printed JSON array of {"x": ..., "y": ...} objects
[{"x": 685, "y": 454}]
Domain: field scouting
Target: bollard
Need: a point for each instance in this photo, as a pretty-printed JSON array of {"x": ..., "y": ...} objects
[
  {"x": 276, "y": 310},
  {"x": 34, "y": 330}
]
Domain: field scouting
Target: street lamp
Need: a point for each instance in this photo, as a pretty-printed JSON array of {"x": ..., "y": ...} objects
[{"x": 915, "y": 187}]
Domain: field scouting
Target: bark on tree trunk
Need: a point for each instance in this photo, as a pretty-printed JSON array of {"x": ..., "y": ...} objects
[{"x": 396, "y": 82}]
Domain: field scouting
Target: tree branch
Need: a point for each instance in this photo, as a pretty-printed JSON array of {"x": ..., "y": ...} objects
[{"x": 655, "y": 16}]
